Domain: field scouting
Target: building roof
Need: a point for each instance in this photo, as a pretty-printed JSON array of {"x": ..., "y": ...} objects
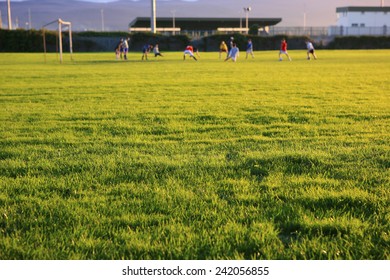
[
  {"x": 362, "y": 9},
  {"x": 203, "y": 23}
]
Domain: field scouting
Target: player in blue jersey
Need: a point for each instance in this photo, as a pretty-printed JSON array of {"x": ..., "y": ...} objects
[
  {"x": 146, "y": 50},
  {"x": 249, "y": 49}
]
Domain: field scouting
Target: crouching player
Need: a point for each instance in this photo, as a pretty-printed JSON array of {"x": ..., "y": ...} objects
[
  {"x": 189, "y": 51},
  {"x": 234, "y": 53},
  {"x": 310, "y": 50}
]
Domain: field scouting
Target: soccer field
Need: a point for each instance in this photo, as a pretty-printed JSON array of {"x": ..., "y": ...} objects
[{"x": 173, "y": 159}]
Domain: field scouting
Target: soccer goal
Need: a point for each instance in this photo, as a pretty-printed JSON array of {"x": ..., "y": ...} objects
[{"x": 60, "y": 23}]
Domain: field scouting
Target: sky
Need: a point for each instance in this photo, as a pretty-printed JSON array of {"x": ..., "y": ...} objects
[
  {"x": 334, "y": 3},
  {"x": 293, "y": 12},
  {"x": 309, "y": 12}
]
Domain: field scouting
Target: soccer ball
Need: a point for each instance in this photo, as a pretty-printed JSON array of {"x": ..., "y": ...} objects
[{"x": 280, "y": 59}]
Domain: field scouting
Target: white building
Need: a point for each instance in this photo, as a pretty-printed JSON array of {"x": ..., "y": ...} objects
[{"x": 356, "y": 21}]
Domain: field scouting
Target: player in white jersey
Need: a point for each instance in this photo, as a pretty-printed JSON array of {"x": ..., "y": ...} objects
[
  {"x": 310, "y": 50},
  {"x": 234, "y": 53}
]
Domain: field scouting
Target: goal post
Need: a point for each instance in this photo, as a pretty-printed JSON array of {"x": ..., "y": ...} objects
[
  {"x": 69, "y": 24},
  {"x": 60, "y": 23}
]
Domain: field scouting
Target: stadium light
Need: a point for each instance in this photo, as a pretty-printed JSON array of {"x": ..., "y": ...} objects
[
  {"x": 153, "y": 17},
  {"x": 9, "y": 15},
  {"x": 247, "y": 10}
]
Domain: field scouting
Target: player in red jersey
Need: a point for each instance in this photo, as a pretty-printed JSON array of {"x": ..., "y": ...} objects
[
  {"x": 283, "y": 50},
  {"x": 190, "y": 51}
]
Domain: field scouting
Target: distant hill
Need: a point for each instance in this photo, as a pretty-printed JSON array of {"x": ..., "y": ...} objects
[
  {"x": 83, "y": 15},
  {"x": 117, "y": 15}
]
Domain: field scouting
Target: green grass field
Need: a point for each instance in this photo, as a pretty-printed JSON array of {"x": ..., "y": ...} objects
[{"x": 173, "y": 159}]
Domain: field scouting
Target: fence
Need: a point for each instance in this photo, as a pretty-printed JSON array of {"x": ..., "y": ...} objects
[
  {"x": 299, "y": 31},
  {"x": 359, "y": 31},
  {"x": 330, "y": 31}
]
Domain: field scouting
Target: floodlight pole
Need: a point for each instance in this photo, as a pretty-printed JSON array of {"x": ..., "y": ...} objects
[
  {"x": 102, "y": 18},
  {"x": 247, "y": 10},
  {"x": 304, "y": 17},
  {"x": 153, "y": 17},
  {"x": 240, "y": 23},
  {"x": 173, "y": 21},
  {"x": 29, "y": 19},
  {"x": 9, "y": 15}
]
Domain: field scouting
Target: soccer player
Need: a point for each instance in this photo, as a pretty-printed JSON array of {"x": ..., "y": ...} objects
[
  {"x": 234, "y": 53},
  {"x": 223, "y": 48},
  {"x": 190, "y": 51},
  {"x": 230, "y": 43},
  {"x": 249, "y": 49},
  {"x": 310, "y": 50},
  {"x": 125, "y": 47},
  {"x": 283, "y": 50},
  {"x": 119, "y": 50},
  {"x": 145, "y": 50},
  {"x": 156, "y": 51}
]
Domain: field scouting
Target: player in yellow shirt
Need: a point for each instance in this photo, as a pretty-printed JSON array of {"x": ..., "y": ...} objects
[{"x": 223, "y": 48}]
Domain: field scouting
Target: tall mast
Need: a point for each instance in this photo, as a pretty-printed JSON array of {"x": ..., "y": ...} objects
[{"x": 153, "y": 17}]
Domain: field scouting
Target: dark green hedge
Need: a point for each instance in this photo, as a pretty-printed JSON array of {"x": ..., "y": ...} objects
[
  {"x": 32, "y": 41},
  {"x": 361, "y": 42},
  {"x": 26, "y": 41},
  {"x": 211, "y": 43},
  {"x": 102, "y": 34},
  {"x": 166, "y": 43}
]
